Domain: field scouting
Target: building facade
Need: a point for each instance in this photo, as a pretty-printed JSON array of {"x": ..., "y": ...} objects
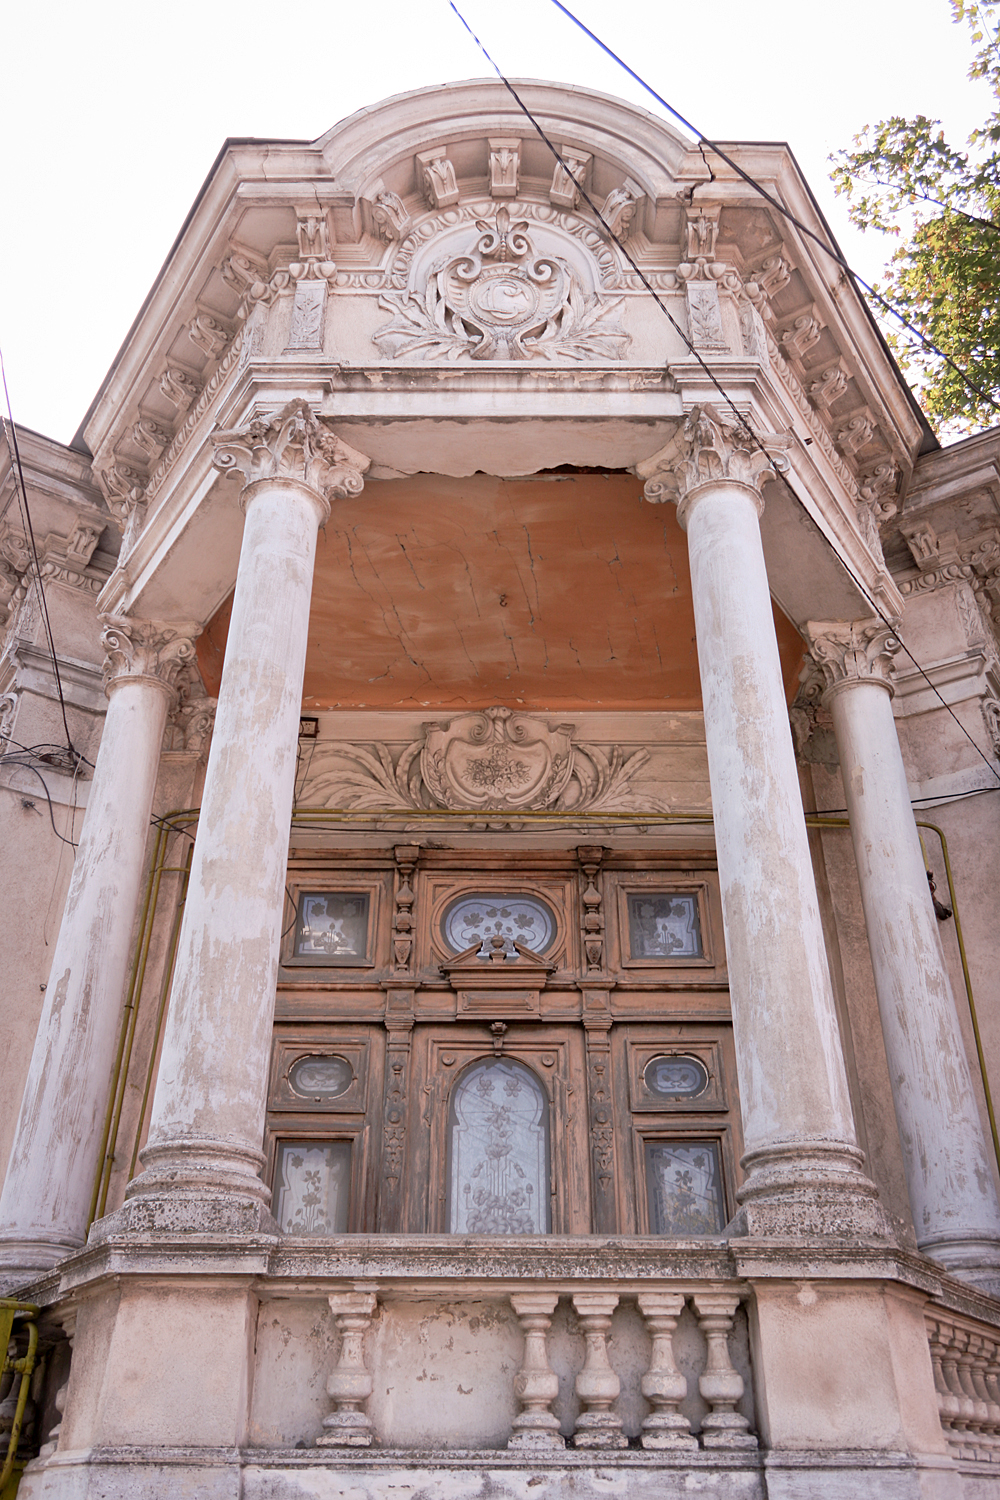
[{"x": 498, "y": 1030}]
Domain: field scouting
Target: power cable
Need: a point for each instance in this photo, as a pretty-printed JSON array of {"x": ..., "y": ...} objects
[
  {"x": 10, "y": 433},
  {"x": 739, "y": 416},
  {"x": 831, "y": 250},
  {"x": 25, "y": 765}
]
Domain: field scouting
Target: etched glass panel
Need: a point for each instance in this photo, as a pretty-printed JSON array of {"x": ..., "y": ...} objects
[
  {"x": 684, "y": 1187},
  {"x": 476, "y": 919},
  {"x": 332, "y": 927},
  {"x": 312, "y": 1186},
  {"x": 321, "y": 1077},
  {"x": 663, "y": 926},
  {"x": 498, "y": 1156},
  {"x": 675, "y": 1077}
]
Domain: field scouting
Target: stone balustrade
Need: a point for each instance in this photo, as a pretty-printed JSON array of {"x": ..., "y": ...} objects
[
  {"x": 672, "y": 1343},
  {"x": 965, "y": 1355}
]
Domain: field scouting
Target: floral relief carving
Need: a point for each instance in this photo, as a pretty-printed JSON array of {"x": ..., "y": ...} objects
[
  {"x": 501, "y": 300},
  {"x": 496, "y": 760}
]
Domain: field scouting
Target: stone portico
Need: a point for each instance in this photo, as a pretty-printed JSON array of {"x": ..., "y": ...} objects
[{"x": 505, "y": 584}]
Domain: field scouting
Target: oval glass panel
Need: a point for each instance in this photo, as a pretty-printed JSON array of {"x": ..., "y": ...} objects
[
  {"x": 485, "y": 915},
  {"x": 321, "y": 1077},
  {"x": 675, "y": 1077}
]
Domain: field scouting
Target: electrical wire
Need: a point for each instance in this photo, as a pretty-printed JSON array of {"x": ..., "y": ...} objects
[
  {"x": 831, "y": 250},
  {"x": 14, "y": 451},
  {"x": 738, "y": 415},
  {"x": 25, "y": 765}
]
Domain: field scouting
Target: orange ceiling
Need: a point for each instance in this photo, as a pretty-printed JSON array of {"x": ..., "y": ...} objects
[{"x": 564, "y": 590}]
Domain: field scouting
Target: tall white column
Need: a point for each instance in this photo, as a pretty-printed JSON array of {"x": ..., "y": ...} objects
[
  {"x": 948, "y": 1168},
  {"x": 803, "y": 1165},
  {"x": 204, "y": 1149},
  {"x": 47, "y": 1193}
]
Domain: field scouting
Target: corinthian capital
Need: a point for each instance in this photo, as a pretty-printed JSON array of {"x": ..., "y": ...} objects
[
  {"x": 293, "y": 444},
  {"x": 857, "y": 652},
  {"x": 142, "y": 649},
  {"x": 711, "y": 445}
]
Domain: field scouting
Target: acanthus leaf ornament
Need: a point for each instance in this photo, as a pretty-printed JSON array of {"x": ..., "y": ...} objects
[
  {"x": 292, "y": 444},
  {"x": 500, "y": 300},
  {"x": 144, "y": 649},
  {"x": 856, "y": 651},
  {"x": 568, "y": 177},
  {"x": 711, "y": 445}
]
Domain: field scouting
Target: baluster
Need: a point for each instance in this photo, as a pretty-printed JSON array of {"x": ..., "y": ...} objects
[
  {"x": 597, "y": 1385},
  {"x": 663, "y": 1384},
  {"x": 949, "y": 1405},
  {"x": 955, "y": 1343},
  {"x": 536, "y": 1385},
  {"x": 721, "y": 1385},
  {"x": 350, "y": 1384},
  {"x": 980, "y": 1411},
  {"x": 978, "y": 1356},
  {"x": 991, "y": 1379}
]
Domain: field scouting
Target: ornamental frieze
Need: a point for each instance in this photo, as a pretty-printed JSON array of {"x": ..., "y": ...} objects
[{"x": 496, "y": 761}]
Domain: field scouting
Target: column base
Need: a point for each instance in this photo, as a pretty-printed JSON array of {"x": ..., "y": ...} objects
[
  {"x": 193, "y": 1187},
  {"x": 818, "y": 1188},
  {"x": 23, "y": 1261},
  {"x": 971, "y": 1257},
  {"x": 598, "y": 1429}
]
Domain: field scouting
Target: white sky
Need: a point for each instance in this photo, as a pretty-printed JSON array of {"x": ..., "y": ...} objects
[{"x": 112, "y": 114}]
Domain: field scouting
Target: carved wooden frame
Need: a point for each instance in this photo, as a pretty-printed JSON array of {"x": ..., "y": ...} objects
[
  {"x": 440, "y": 1057},
  {"x": 709, "y": 1052},
  {"x": 676, "y": 1130},
  {"x": 289, "y": 1046},
  {"x": 335, "y": 882},
  {"x": 442, "y": 888},
  {"x": 665, "y": 884},
  {"x": 287, "y": 1129}
]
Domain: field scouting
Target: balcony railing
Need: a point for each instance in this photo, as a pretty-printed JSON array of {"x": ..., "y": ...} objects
[
  {"x": 681, "y": 1335},
  {"x": 965, "y": 1355}
]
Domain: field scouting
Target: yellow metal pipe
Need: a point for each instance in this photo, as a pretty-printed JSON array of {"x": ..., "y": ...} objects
[
  {"x": 968, "y": 986},
  {"x": 168, "y": 975},
  {"x": 24, "y": 1368},
  {"x": 163, "y": 829},
  {"x": 123, "y": 1030},
  {"x": 131, "y": 1015}
]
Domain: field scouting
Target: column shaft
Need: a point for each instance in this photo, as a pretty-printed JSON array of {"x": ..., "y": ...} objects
[
  {"x": 948, "y": 1170},
  {"x": 207, "y": 1122},
  {"x": 50, "y": 1178},
  {"x": 802, "y": 1161}
]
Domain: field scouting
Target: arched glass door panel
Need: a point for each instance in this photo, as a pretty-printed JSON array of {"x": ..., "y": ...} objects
[{"x": 498, "y": 1151}]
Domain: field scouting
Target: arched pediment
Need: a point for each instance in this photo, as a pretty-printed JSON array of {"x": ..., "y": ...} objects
[{"x": 620, "y": 140}]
